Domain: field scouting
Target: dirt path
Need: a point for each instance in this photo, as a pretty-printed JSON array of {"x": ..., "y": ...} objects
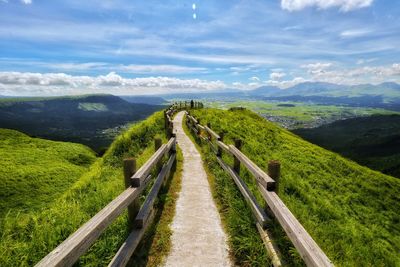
[{"x": 198, "y": 238}]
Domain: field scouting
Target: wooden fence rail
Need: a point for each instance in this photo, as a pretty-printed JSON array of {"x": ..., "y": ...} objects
[
  {"x": 308, "y": 249},
  {"x": 68, "y": 252}
]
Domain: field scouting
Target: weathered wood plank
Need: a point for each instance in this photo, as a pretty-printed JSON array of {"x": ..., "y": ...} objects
[
  {"x": 305, "y": 245},
  {"x": 259, "y": 174},
  {"x": 125, "y": 252},
  {"x": 258, "y": 212},
  {"x": 139, "y": 176},
  {"x": 79, "y": 242},
  {"x": 194, "y": 129},
  {"x": 271, "y": 248},
  {"x": 214, "y": 134},
  {"x": 236, "y": 161},
  {"x": 171, "y": 143},
  {"x": 192, "y": 119},
  {"x": 147, "y": 206},
  {"x": 129, "y": 170},
  {"x": 201, "y": 127},
  {"x": 223, "y": 146}
]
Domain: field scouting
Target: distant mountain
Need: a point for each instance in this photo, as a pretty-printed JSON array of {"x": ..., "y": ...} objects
[
  {"x": 209, "y": 95},
  {"x": 391, "y": 85},
  {"x": 81, "y": 119},
  {"x": 266, "y": 91},
  {"x": 386, "y": 90},
  {"x": 151, "y": 100},
  {"x": 314, "y": 88}
]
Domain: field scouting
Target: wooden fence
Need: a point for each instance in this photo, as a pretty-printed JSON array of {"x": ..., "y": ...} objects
[
  {"x": 68, "y": 252},
  {"x": 267, "y": 184}
]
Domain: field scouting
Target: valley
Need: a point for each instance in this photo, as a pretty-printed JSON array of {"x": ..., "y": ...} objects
[
  {"x": 93, "y": 120},
  {"x": 295, "y": 115}
]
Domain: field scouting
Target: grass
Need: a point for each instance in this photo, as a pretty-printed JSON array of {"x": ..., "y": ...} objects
[
  {"x": 349, "y": 210},
  {"x": 35, "y": 171},
  {"x": 27, "y": 237}
]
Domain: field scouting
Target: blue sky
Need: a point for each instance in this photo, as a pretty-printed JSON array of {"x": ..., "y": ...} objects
[{"x": 145, "y": 47}]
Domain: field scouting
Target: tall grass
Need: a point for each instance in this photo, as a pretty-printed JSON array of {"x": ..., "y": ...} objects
[
  {"x": 28, "y": 237},
  {"x": 34, "y": 171},
  {"x": 349, "y": 210}
]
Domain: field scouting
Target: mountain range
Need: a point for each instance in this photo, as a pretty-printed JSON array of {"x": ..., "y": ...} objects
[{"x": 384, "y": 95}]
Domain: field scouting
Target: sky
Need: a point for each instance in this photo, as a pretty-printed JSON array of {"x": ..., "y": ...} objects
[{"x": 150, "y": 47}]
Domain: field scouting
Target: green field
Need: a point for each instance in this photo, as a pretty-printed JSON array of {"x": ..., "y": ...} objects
[
  {"x": 28, "y": 236},
  {"x": 92, "y": 107},
  {"x": 293, "y": 115},
  {"x": 35, "y": 171},
  {"x": 349, "y": 210}
]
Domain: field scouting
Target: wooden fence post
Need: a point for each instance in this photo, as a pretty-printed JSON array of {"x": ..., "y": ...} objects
[
  {"x": 236, "y": 163},
  {"x": 129, "y": 171},
  {"x": 208, "y": 134},
  {"x": 198, "y": 128},
  {"x": 221, "y": 138},
  {"x": 165, "y": 119},
  {"x": 170, "y": 130},
  {"x": 274, "y": 171},
  {"x": 157, "y": 145}
]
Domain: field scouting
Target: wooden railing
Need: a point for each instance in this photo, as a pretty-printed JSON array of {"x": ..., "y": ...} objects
[
  {"x": 68, "y": 252},
  {"x": 267, "y": 184}
]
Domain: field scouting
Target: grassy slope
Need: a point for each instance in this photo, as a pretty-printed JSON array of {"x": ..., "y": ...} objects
[
  {"x": 351, "y": 211},
  {"x": 371, "y": 141},
  {"x": 27, "y": 238},
  {"x": 35, "y": 171}
]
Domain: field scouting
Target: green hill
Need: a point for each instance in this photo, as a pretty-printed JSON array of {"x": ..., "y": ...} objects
[
  {"x": 351, "y": 211},
  {"x": 27, "y": 237},
  {"x": 35, "y": 171}
]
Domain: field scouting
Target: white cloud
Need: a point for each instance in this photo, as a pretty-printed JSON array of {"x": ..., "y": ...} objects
[
  {"x": 316, "y": 68},
  {"x": 354, "y": 33},
  {"x": 26, "y": 83},
  {"x": 160, "y": 69},
  {"x": 246, "y": 86},
  {"x": 103, "y": 66},
  {"x": 344, "y": 5},
  {"x": 276, "y": 76},
  {"x": 325, "y": 72},
  {"x": 359, "y": 75},
  {"x": 26, "y": 2},
  {"x": 287, "y": 83},
  {"x": 254, "y": 79}
]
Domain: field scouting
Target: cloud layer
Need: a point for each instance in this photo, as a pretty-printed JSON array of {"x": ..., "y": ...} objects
[
  {"x": 327, "y": 72},
  {"x": 20, "y": 83},
  {"x": 344, "y": 5}
]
